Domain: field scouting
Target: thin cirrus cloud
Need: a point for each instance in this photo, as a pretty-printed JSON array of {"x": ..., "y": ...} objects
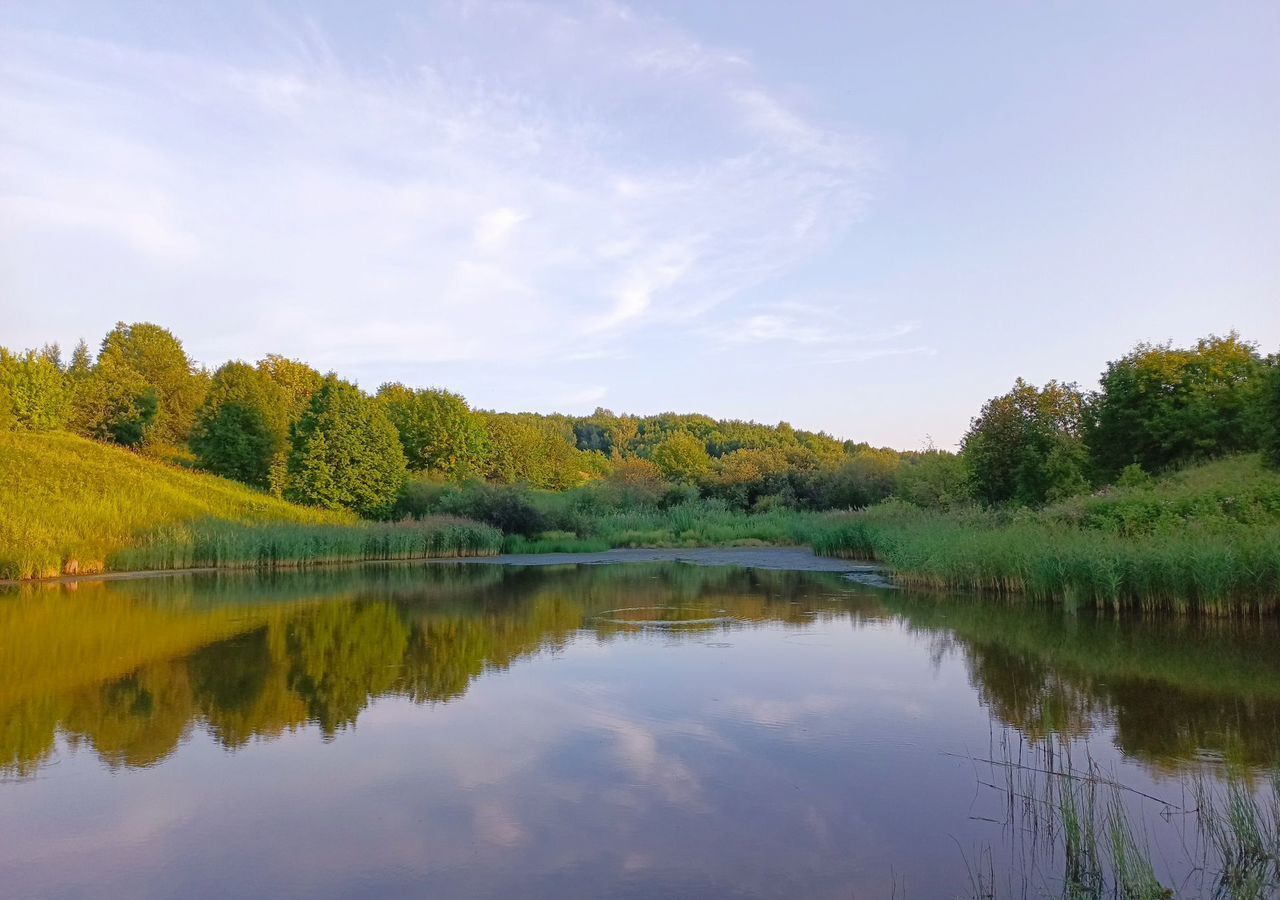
[{"x": 503, "y": 182}]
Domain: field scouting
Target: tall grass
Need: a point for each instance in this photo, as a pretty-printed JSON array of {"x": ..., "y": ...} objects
[
  {"x": 229, "y": 545},
  {"x": 1216, "y": 570},
  {"x": 1078, "y": 833}
]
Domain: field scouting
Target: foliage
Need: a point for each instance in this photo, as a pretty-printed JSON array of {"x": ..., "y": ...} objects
[
  {"x": 683, "y": 458},
  {"x": 241, "y": 426},
  {"x": 346, "y": 453},
  {"x": 112, "y": 402},
  {"x": 157, "y": 357},
  {"x": 1024, "y": 446},
  {"x": 33, "y": 391},
  {"x": 1159, "y": 405},
  {"x": 537, "y": 450},
  {"x": 1270, "y": 419},
  {"x": 933, "y": 480},
  {"x": 866, "y": 477},
  {"x": 439, "y": 432}
]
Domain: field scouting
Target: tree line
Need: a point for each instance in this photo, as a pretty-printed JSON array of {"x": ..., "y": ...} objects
[
  {"x": 283, "y": 426},
  {"x": 1155, "y": 408}
]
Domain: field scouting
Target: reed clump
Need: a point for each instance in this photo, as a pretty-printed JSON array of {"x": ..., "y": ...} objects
[
  {"x": 1079, "y": 833},
  {"x": 213, "y": 544},
  {"x": 1205, "y": 540},
  {"x": 1207, "y": 571}
]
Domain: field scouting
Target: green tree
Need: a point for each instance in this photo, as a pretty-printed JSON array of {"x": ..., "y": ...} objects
[
  {"x": 682, "y": 457},
  {"x": 934, "y": 479},
  {"x": 1024, "y": 447},
  {"x": 346, "y": 453},
  {"x": 531, "y": 449},
  {"x": 295, "y": 383},
  {"x": 81, "y": 361},
  {"x": 241, "y": 426},
  {"x": 1270, "y": 406},
  {"x": 113, "y": 403},
  {"x": 33, "y": 389},
  {"x": 866, "y": 476},
  {"x": 157, "y": 356},
  {"x": 439, "y": 432},
  {"x": 1160, "y": 405}
]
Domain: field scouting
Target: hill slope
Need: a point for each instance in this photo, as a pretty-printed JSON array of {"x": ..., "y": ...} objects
[{"x": 68, "y": 503}]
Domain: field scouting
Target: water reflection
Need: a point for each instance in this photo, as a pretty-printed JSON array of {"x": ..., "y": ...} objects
[
  {"x": 1171, "y": 690},
  {"x": 130, "y": 668}
]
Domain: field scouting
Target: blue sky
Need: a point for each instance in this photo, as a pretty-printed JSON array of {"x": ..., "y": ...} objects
[{"x": 865, "y": 218}]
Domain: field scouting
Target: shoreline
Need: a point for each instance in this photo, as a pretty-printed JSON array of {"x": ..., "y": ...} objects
[{"x": 778, "y": 558}]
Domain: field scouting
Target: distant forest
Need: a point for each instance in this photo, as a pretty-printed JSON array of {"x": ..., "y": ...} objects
[{"x": 282, "y": 426}]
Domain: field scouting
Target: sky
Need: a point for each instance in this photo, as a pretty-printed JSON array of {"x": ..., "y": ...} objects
[{"x": 863, "y": 218}]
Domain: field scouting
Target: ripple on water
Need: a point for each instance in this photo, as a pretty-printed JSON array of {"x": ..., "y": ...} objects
[{"x": 647, "y": 617}]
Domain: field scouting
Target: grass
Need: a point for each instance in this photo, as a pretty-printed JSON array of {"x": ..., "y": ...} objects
[
  {"x": 1082, "y": 834},
  {"x": 69, "y": 505},
  {"x": 234, "y": 546},
  {"x": 1205, "y": 540}
]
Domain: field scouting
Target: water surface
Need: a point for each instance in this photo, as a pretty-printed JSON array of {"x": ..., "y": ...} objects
[{"x": 574, "y": 731}]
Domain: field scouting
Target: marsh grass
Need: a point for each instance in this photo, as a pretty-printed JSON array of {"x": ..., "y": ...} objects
[
  {"x": 1214, "y": 571},
  {"x": 227, "y": 545},
  {"x": 1079, "y": 834}
]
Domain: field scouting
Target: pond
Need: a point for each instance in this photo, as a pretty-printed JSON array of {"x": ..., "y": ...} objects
[{"x": 637, "y": 730}]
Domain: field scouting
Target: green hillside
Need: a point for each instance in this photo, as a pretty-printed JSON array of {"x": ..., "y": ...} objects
[{"x": 68, "y": 503}]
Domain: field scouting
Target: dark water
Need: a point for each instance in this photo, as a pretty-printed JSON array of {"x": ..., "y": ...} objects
[{"x": 620, "y": 731}]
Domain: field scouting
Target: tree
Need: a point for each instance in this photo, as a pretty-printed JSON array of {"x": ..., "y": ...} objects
[
  {"x": 157, "y": 356},
  {"x": 867, "y": 476},
  {"x": 1159, "y": 405},
  {"x": 934, "y": 480},
  {"x": 529, "y": 448},
  {"x": 1024, "y": 447},
  {"x": 346, "y": 453},
  {"x": 113, "y": 403},
  {"x": 241, "y": 426},
  {"x": 81, "y": 361},
  {"x": 682, "y": 457},
  {"x": 438, "y": 431},
  {"x": 33, "y": 390},
  {"x": 295, "y": 383},
  {"x": 1270, "y": 406}
]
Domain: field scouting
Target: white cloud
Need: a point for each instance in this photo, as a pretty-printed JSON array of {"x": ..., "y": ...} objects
[
  {"x": 493, "y": 228},
  {"x": 514, "y": 183}
]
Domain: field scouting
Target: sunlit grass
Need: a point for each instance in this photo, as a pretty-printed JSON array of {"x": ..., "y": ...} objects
[{"x": 72, "y": 506}]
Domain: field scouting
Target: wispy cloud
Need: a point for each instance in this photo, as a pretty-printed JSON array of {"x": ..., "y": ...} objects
[{"x": 509, "y": 182}]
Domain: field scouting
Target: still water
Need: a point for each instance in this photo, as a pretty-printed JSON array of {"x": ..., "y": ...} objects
[{"x": 655, "y": 730}]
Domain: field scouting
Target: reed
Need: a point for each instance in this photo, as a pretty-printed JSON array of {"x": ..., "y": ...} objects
[
  {"x": 1079, "y": 833},
  {"x": 213, "y": 544},
  {"x": 1216, "y": 571}
]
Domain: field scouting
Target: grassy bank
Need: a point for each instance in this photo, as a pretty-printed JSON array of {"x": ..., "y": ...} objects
[
  {"x": 73, "y": 506},
  {"x": 1206, "y": 540}
]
